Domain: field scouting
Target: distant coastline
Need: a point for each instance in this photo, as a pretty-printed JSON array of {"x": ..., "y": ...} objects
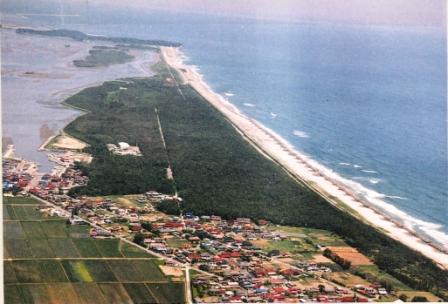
[
  {"x": 325, "y": 183},
  {"x": 79, "y": 36}
]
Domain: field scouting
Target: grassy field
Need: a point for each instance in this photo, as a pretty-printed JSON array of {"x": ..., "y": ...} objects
[
  {"x": 48, "y": 261},
  {"x": 176, "y": 242},
  {"x": 313, "y": 236},
  {"x": 373, "y": 273}
]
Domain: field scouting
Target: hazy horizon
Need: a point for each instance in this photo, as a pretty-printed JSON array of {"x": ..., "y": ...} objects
[{"x": 378, "y": 12}]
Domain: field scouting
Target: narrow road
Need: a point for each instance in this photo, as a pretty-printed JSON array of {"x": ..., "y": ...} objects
[
  {"x": 188, "y": 296},
  {"x": 175, "y": 81},
  {"x": 170, "y": 174}
]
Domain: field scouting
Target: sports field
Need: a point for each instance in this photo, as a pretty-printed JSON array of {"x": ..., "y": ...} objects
[{"x": 47, "y": 260}]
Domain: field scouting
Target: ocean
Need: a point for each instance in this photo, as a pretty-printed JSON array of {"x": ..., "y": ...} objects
[{"x": 367, "y": 102}]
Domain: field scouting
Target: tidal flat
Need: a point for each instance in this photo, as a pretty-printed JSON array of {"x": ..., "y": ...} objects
[{"x": 38, "y": 74}]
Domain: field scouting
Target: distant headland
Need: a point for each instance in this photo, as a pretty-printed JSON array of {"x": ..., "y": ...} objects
[{"x": 80, "y": 36}]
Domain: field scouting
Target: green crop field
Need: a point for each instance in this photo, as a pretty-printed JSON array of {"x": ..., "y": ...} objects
[
  {"x": 101, "y": 271},
  {"x": 18, "y": 248},
  {"x": 87, "y": 248},
  {"x": 33, "y": 230},
  {"x": 19, "y": 201},
  {"x": 64, "y": 248},
  {"x": 130, "y": 251},
  {"x": 41, "y": 248},
  {"x": 54, "y": 229},
  {"x": 50, "y": 261},
  {"x": 109, "y": 248},
  {"x": 13, "y": 230},
  {"x": 139, "y": 293},
  {"x": 167, "y": 293},
  {"x": 115, "y": 293}
]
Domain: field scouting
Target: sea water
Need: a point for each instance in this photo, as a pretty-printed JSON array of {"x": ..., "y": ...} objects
[{"x": 367, "y": 102}]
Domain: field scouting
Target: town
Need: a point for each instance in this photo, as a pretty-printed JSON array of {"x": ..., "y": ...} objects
[{"x": 231, "y": 260}]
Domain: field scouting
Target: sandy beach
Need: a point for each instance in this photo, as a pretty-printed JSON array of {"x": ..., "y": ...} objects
[{"x": 326, "y": 183}]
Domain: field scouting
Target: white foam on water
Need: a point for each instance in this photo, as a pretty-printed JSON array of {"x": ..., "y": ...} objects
[
  {"x": 369, "y": 171},
  {"x": 395, "y": 197},
  {"x": 229, "y": 94},
  {"x": 374, "y": 181},
  {"x": 300, "y": 134},
  {"x": 250, "y": 105}
]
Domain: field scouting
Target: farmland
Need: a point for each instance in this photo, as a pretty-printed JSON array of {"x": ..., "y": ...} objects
[{"x": 48, "y": 260}]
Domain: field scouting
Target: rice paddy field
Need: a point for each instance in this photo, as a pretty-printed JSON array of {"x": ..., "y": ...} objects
[{"x": 47, "y": 260}]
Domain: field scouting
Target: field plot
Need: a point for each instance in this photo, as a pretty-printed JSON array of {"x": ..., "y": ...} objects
[
  {"x": 130, "y": 251},
  {"x": 41, "y": 248},
  {"x": 50, "y": 261},
  {"x": 350, "y": 254},
  {"x": 167, "y": 293},
  {"x": 33, "y": 230},
  {"x": 63, "y": 293},
  {"x": 139, "y": 293},
  {"x": 90, "y": 293},
  {"x": 109, "y": 248},
  {"x": 87, "y": 248},
  {"x": 13, "y": 230},
  {"x": 19, "y": 201},
  {"x": 115, "y": 293},
  {"x": 64, "y": 248},
  {"x": 17, "y": 248},
  {"x": 54, "y": 229}
]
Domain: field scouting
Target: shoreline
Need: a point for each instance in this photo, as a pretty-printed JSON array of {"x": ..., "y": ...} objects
[
  {"x": 327, "y": 184},
  {"x": 71, "y": 83}
]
